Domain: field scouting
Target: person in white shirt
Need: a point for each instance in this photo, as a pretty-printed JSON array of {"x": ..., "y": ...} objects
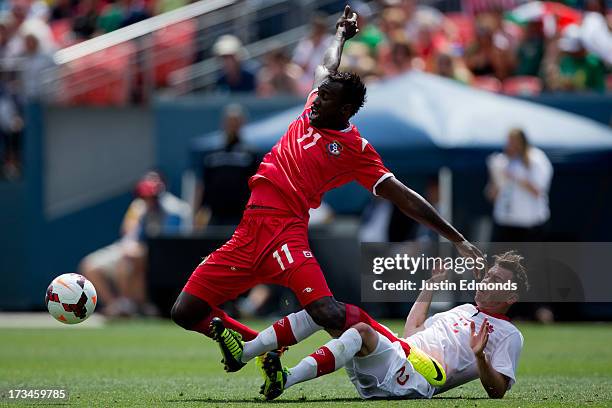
[
  {"x": 595, "y": 31},
  {"x": 309, "y": 52},
  {"x": 470, "y": 342},
  {"x": 519, "y": 181}
]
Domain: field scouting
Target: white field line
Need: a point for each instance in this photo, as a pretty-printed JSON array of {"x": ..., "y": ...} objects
[{"x": 42, "y": 320}]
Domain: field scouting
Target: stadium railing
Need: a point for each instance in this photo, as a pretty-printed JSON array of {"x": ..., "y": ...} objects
[{"x": 131, "y": 63}]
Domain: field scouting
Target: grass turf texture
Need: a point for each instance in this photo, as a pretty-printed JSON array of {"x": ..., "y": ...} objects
[{"x": 157, "y": 364}]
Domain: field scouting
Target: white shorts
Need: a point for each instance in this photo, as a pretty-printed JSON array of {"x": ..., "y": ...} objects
[
  {"x": 386, "y": 373},
  {"x": 106, "y": 259}
]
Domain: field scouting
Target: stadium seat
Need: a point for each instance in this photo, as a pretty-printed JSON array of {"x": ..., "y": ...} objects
[
  {"x": 487, "y": 83},
  {"x": 522, "y": 85},
  {"x": 173, "y": 48},
  {"x": 464, "y": 25},
  {"x": 62, "y": 32},
  {"x": 102, "y": 78}
]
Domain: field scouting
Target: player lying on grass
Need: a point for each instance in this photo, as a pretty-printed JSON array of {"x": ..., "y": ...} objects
[
  {"x": 470, "y": 341},
  {"x": 321, "y": 150}
]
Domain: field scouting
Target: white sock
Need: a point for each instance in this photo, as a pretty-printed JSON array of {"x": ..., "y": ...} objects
[
  {"x": 342, "y": 349},
  {"x": 296, "y": 326}
]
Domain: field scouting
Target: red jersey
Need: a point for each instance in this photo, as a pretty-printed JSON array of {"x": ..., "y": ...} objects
[{"x": 307, "y": 162}]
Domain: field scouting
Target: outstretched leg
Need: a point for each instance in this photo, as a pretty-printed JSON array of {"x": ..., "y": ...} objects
[
  {"x": 336, "y": 318},
  {"x": 192, "y": 313},
  {"x": 360, "y": 340},
  {"x": 324, "y": 313}
]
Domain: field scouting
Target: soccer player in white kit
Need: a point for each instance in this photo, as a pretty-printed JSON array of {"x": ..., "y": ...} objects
[{"x": 470, "y": 341}]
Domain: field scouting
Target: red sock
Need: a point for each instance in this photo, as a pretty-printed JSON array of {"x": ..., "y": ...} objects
[
  {"x": 326, "y": 362},
  {"x": 284, "y": 332},
  {"x": 203, "y": 326},
  {"x": 355, "y": 315}
]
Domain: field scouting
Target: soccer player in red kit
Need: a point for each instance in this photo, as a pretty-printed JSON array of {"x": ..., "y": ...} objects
[{"x": 321, "y": 150}]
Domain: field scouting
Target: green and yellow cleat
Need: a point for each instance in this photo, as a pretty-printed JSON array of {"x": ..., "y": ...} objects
[
  {"x": 275, "y": 375},
  {"x": 230, "y": 343},
  {"x": 427, "y": 366}
]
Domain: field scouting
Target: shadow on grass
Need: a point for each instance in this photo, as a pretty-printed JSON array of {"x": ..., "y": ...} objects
[
  {"x": 262, "y": 401},
  {"x": 303, "y": 400}
]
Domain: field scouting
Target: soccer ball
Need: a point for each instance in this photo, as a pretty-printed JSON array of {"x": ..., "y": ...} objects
[{"x": 71, "y": 298}]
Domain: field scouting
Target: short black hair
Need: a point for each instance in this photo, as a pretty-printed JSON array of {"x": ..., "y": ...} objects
[
  {"x": 353, "y": 89},
  {"x": 513, "y": 261}
]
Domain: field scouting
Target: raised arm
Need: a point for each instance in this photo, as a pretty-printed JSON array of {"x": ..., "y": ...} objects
[
  {"x": 346, "y": 28},
  {"x": 416, "y": 207},
  {"x": 419, "y": 310}
]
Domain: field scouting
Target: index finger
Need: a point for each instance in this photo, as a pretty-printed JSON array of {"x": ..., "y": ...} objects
[
  {"x": 347, "y": 11},
  {"x": 483, "y": 326}
]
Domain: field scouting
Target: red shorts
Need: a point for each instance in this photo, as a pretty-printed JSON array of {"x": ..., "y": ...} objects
[{"x": 269, "y": 246}]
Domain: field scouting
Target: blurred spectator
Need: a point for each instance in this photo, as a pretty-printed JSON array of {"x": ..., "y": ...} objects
[
  {"x": 61, "y": 10},
  {"x": 531, "y": 50},
  {"x": 223, "y": 191},
  {"x": 519, "y": 181},
  {"x": 112, "y": 16},
  {"x": 118, "y": 271},
  {"x": 429, "y": 42},
  {"x": 374, "y": 224},
  {"x": 38, "y": 9},
  {"x": 569, "y": 67},
  {"x": 491, "y": 53},
  {"x": 11, "y": 127},
  {"x": 4, "y": 35},
  {"x": 84, "y": 24},
  {"x": 235, "y": 77},
  {"x": 476, "y": 7},
  {"x": 449, "y": 67},
  {"x": 369, "y": 34},
  {"x": 358, "y": 58},
  {"x": 34, "y": 62},
  {"x": 278, "y": 75},
  {"x": 595, "y": 30},
  {"x": 397, "y": 56},
  {"x": 392, "y": 19},
  {"x": 310, "y": 50},
  {"x": 109, "y": 271},
  {"x": 421, "y": 17},
  {"x": 18, "y": 22},
  {"x": 164, "y": 6},
  {"x": 137, "y": 11}
]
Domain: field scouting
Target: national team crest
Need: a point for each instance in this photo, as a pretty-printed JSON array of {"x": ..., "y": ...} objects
[{"x": 334, "y": 148}]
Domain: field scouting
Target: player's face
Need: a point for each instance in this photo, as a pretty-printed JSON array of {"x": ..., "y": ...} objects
[
  {"x": 328, "y": 111},
  {"x": 496, "y": 299}
]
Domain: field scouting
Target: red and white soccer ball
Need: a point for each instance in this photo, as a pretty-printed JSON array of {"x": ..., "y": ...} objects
[{"x": 71, "y": 298}]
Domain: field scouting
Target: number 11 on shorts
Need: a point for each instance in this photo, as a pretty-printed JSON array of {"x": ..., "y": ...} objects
[{"x": 277, "y": 256}]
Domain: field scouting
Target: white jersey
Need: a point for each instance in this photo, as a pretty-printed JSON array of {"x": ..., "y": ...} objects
[
  {"x": 447, "y": 338},
  {"x": 386, "y": 372}
]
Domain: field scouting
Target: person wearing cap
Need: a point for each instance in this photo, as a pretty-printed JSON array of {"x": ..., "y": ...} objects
[
  {"x": 223, "y": 190},
  {"x": 118, "y": 270},
  {"x": 235, "y": 76},
  {"x": 570, "y": 67}
]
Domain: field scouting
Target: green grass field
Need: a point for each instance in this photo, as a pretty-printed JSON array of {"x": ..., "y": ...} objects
[{"x": 156, "y": 364}]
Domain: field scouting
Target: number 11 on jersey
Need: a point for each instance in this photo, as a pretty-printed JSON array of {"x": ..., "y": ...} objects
[
  {"x": 276, "y": 255},
  {"x": 315, "y": 138}
]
